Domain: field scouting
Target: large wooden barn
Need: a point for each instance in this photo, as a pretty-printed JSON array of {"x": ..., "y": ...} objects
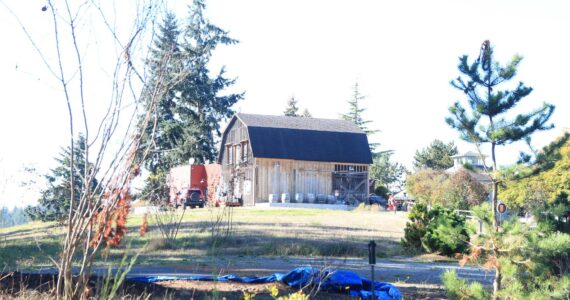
[{"x": 294, "y": 159}]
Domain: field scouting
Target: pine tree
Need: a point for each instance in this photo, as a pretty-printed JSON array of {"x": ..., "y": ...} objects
[
  {"x": 355, "y": 114},
  {"x": 436, "y": 156},
  {"x": 4, "y": 217},
  {"x": 306, "y": 114},
  {"x": 201, "y": 105},
  {"x": 54, "y": 203},
  {"x": 485, "y": 122},
  {"x": 12, "y": 218},
  {"x": 190, "y": 110},
  {"x": 292, "y": 110},
  {"x": 164, "y": 132}
]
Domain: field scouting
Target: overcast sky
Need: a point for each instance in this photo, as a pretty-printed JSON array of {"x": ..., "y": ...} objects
[{"x": 402, "y": 53}]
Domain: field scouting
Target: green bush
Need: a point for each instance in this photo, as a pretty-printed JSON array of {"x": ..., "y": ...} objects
[
  {"x": 456, "y": 288},
  {"x": 382, "y": 191},
  {"x": 416, "y": 228},
  {"x": 532, "y": 262},
  {"x": 446, "y": 233},
  {"x": 437, "y": 230}
]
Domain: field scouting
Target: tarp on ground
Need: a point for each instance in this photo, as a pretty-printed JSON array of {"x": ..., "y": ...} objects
[{"x": 331, "y": 280}]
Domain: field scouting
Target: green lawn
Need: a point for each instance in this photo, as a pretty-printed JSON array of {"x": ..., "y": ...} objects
[{"x": 267, "y": 232}]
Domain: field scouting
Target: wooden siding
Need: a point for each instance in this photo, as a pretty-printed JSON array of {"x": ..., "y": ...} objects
[
  {"x": 237, "y": 163},
  {"x": 278, "y": 176},
  {"x": 253, "y": 179}
]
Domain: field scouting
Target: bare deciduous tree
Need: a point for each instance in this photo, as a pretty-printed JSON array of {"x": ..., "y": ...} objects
[
  {"x": 111, "y": 40},
  {"x": 168, "y": 221}
]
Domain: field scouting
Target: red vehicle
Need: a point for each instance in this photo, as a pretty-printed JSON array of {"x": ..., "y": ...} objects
[
  {"x": 188, "y": 186},
  {"x": 190, "y": 198}
]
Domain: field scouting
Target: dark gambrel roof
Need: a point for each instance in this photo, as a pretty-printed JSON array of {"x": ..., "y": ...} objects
[{"x": 308, "y": 139}]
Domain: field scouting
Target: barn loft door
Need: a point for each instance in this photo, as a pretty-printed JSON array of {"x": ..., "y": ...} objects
[{"x": 351, "y": 182}]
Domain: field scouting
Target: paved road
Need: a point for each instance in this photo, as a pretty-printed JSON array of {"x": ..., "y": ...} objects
[{"x": 409, "y": 272}]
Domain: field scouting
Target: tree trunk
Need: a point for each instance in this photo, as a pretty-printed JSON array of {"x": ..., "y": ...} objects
[
  {"x": 494, "y": 204},
  {"x": 495, "y": 187},
  {"x": 497, "y": 284}
]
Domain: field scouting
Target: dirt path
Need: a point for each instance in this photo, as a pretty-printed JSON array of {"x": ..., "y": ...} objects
[
  {"x": 418, "y": 280},
  {"x": 386, "y": 270}
]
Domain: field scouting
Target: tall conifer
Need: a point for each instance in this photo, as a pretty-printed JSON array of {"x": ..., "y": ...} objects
[
  {"x": 292, "y": 110},
  {"x": 484, "y": 120},
  {"x": 354, "y": 114}
]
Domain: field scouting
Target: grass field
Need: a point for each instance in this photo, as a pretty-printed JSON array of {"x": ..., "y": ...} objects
[{"x": 256, "y": 232}]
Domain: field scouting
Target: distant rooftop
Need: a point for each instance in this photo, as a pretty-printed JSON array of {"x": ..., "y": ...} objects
[
  {"x": 469, "y": 154},
  {"x": 474, "y": 160}
]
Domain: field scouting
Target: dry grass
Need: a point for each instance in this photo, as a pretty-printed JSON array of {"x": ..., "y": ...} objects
[{"x": 268, "y": 232}]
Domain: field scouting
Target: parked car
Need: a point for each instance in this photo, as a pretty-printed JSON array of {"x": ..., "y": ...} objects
[
  {"x": 375, "y": 199},
  {"x": 404, "y": 205},
  {"x": 190, "y": 197}
]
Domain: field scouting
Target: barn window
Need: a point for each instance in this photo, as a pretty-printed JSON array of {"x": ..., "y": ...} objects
[
  {"x": 244, "y": 151},
  {"x": 229, "y": 154},
  {"x": 350, "y": 168},
  {"x": 238, "y": 149},
  {"x": 232, "y": 134}
]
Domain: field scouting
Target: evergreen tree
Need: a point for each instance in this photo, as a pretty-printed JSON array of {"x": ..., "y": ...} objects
[
  {"x": 164, "y": 131},
  {"x": 190, "y": 107},
  {"x": 18, "y": 216},
  {"x": 292, "y": 110},
  {"x": 485, "y": 121},
  {"x": 54, "y": 203},
  {"x": 306, "y": 114},
  {"x": 201, "y": 105},
  {"x": 531, "y": 262},
  {"x": 12, "y": 218},
  {"x": 355, "y": 114},
  {"x": 436, "y": 156},
  {"x": 387, "y": 173},
  {"x": 355, "y": 111},
  {"x": 4, "y": 217}
]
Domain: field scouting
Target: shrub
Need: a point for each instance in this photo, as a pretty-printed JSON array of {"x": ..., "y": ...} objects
[
  {"x": 416, "y": 228},
  {"x": 438, "y": 230},
  {"x": 161, "y": 244},
  {"x": 446, "y": 233},
  {"x": 459, "y": 289}
]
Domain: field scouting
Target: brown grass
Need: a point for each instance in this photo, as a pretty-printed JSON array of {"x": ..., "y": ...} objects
[{"x": 267, "y": 232}]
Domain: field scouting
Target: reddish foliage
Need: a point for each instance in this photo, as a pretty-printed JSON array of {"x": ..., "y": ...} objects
[
  {"x": 111, "y": 221},
  {"x": 144, "y": 227},
  {"x": 492, "y": 263},
  {"x": 473, "y": 256},
  {"x": 468, "y": 188},
  {"x": 464, "y": 260}
]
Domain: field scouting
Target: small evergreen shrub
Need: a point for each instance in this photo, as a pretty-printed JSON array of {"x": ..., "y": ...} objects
[
  {"x": 446, "y": 233},
  {"x": 458, "y": 289},
  {"x": 438, "y": 230},
  {"x": 416, "y": 228}
]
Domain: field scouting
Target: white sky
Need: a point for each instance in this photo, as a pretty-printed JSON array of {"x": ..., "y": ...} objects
[{"x": 402, "y": 53}]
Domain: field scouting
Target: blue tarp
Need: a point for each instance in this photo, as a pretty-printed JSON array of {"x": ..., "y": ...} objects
[{"x": 334, "y": 280}]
